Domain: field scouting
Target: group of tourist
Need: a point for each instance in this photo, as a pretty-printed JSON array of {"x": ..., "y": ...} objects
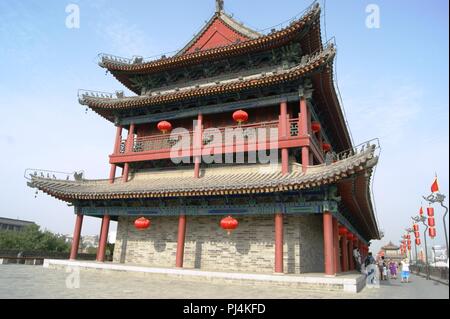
[{"x": 387, "y": 269}]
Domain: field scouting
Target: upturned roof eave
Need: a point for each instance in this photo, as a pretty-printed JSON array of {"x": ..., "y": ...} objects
[
  {"x": 98, "y": 103},
  {"x": 212, "y": 185},
  {"x": 214, "y": 53}
]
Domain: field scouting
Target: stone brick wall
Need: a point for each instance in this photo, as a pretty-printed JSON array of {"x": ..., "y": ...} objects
[{"x": 249, "y": 248}]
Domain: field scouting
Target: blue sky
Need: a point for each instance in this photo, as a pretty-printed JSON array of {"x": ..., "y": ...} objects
[{"x": 393, "y": 81}]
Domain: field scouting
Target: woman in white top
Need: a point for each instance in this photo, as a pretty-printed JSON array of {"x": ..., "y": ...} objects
[{"x": 405, "y": 270}]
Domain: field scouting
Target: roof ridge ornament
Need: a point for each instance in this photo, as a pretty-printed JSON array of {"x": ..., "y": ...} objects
[{"x": 219, "y": 6}]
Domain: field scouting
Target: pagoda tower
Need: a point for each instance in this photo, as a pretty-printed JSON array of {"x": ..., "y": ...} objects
[{"x": 301, "y": 206}]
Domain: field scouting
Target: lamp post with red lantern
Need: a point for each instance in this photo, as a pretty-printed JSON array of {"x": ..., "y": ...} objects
[
  {"x": 423, "y": 219},
  {"x": 437, "y": 197},
  {"x": 407, "y": 239},
  {"x": 409, "y": 231}
]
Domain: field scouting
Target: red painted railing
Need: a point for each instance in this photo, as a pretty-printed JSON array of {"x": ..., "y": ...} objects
[
  {"x": 166, "y": 141},
  {"x": 214, "y": 140}
]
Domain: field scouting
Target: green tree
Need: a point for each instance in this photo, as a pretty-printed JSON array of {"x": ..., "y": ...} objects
[{"x": 34, "y": 239}]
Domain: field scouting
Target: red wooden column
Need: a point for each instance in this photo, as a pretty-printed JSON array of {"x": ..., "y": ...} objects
[
  {"x": 283, "y": 132},
  {"x": 76, "y": 237},
  {"x": 336, "y": 244},
  {"x": 279, "y": 243},
  {"x": 344, "y": 252},
  {"x": 328, "y": 249},
  {"x": 303, "y": 130},
  {"x": 351, "y": 262},
  {"x": 103, "y": 238},
  {"x": 198, "y": 132},
  {"x": 112, "y": 172},
  {"x": 128, "y": 148},
  {"x": 180, "y": 241},
  {"x": 279, "y": 218},
  {"x": 361, "y": 250}
]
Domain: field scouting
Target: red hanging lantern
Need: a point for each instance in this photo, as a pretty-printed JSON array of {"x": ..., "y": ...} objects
[
  {"x": 409, "y": 247},
  {"x": 350, "y": 236},
  {"x": 164, "y": 127},
  {"x": 326, "y": 147},
  {"x": 409, "y": 242},
  {"x": 142, "y": 223},
  {"x": 432, "y": 232},
  {"x": 416, "y": 227},
  {"x": 408, "y": 236},
  {"x": 418, "y": 241},
  {"x": 430, "y": 211},
  {"x": 342, "y": 231},
  {"x": 421, "y": 211},
  {"x": 240, "y": 116},
  {"x": 416, "y": 234},
  {"x": 431, "y": 222},
  {"x": 229, "y": 224},
  {"x": 315, "y": 127}
]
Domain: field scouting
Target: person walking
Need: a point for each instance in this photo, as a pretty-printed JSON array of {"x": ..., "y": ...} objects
[
  {"x": 357, "y": 259},
  {"x": 385, "y": 271},
  {"x": 393, "y": 269},
  {"x": 405, "y": 270},
  {"x": 381, "y": 266}
]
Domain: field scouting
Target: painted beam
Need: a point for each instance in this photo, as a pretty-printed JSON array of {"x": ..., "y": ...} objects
[
  {"x": 210, "y": 109},
  {"x": 270, "y": 209}
]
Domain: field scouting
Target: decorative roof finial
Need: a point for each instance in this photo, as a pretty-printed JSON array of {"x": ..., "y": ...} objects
[{"x": 219, "y": 5}]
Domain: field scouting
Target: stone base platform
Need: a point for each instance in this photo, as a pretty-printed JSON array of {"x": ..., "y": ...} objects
[{"x": 351, "y": 282}]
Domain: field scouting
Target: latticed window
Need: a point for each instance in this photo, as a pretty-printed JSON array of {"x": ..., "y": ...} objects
[
  {"x": 138, "y": 147},
  {"x": 293, "y": 129},
  {"x": 122, "y": 147}
]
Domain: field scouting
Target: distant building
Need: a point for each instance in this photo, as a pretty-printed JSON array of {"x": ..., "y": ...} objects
[
  {"x": 13, "y": 224},
  {"x": 390, "y": 251},
  {"x": 88, "y": 241}
]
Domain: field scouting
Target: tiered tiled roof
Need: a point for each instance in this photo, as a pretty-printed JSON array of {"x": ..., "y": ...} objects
[
  {"x": 390, "y": 246},
  {"x": 212, "y": 34},
  {"x": 263, "y": 42},
  {"x": 312, "y": 63},
  {"x": 215, "y": 181}
]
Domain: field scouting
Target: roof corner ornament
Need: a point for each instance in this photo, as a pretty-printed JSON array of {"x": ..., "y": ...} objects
[
  {"x": 219, "y": 6},
  {"x": 78, "y": 176}
]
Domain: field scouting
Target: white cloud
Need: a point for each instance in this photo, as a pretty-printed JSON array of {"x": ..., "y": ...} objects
[
  {"x": 385, "y": 111},
  {"x": 125, "y": 38}
]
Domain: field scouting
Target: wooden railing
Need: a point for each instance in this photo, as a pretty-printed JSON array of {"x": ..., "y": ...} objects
[
  {"x": 166, "y": 141},
  {"x": 216, "y": 140}
]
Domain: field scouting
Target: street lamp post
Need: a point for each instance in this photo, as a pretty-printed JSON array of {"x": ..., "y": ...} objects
[
  {"x": 423, "y": 219},
  {"x": 410, "y": 230},
  {"x": 439, "y": 198},
  {"x": 408, "y": 254}
]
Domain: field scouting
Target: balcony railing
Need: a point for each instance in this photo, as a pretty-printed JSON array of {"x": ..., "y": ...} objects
[
  {"x": 166, "y": 141},
  {"x": 254, "y": 136}
]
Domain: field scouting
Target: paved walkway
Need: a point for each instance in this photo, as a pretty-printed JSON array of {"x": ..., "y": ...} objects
[{"x": 19, "y": 281}]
